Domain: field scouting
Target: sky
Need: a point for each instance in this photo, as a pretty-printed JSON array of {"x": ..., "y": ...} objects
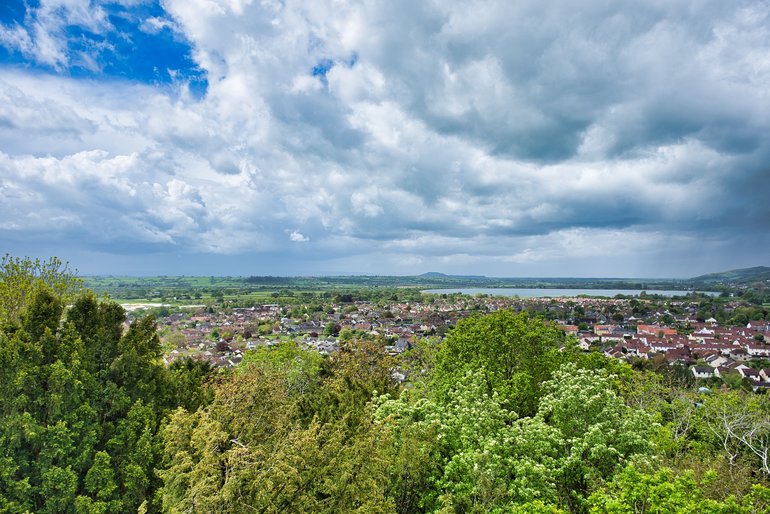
[{"x": 391, "y": 137}]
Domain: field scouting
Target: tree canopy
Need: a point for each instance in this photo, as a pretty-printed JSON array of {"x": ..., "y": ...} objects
[
  {"x": 516, "y": 352},
  {"x": 81, "y": 399}
]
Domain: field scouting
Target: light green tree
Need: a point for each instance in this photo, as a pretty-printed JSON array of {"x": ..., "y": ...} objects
[
  {"x": 517, "y": 353},
  {"x": 633, "y": 491},
  {"x": 487, "y": 459},
  {"x": 20, "y": 276}
]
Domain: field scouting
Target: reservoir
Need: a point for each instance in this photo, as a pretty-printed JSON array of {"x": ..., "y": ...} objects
[{"x": 559, "y": 293}]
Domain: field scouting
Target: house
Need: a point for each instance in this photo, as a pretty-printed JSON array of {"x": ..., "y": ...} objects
[
  {"x": 661, "y": 345},
  {"x": 716, "y": 361},
  {"x": 604, "y": 330},
  {"x": 751, "y": 374},
  {"x": 759, "y": 326},
  {"x": 613, "y": 338},
  {"x": 679, "y": 355},
  {"x": 637, "y": 348},
  {"x": 739, "y": 354},
  {"x": 702, "y": 371},
  {"x": 758, "y": 350},
  {"x": 702, "y": 335},
  {"x": 721, "y": 371},
  {"x": 655, "y": 330}
]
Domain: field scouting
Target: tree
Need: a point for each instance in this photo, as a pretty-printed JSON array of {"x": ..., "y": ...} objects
[
  {"x": 57, "y": 490},
  {"x": 81, "y": 403},
  {"x": 100, "y": 485},
  {"x": 463, "y": 448},
  {"x": 598, "y": 432},
  {"x": 20, "y": 276},
  {"x": 346, "y": 334},
  {"x": 634, "y": 491},
  {"x": 100, "y": 326},
  {"x": 483, "y": 458},
  {"x": 418, "y": 361},
  {"x": 738, "y": 424},
  {"x": 331, "y": 329},
  {"x": 299, "y": 367},
  {"x": 517, "y": 354},
  {"x": 348, "y": 380},
  {"x": 251, "y": 449}
]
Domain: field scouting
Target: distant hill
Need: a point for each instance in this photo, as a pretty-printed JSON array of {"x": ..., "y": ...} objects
[
  {"x": 737, "y": 276},
  {"x": 436, "y": 274}
]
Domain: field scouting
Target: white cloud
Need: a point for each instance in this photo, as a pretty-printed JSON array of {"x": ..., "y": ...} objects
[
  {"x": 297, "y": 237},
  {"x": 155, "y": 24},
  {"x": 446, "y": 133},
  {"x": 16, "y": 37},
  {"x": 44, "y": 39}
]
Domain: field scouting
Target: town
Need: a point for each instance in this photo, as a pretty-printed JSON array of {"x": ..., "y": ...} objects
[{"x": 681, "y": 334}]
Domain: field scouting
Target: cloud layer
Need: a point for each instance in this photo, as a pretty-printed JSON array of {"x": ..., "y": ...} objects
[{"x": 504, "y": 138}]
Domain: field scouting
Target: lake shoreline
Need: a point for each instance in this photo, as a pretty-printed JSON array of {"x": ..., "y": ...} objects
[{"x": 562, "y": 292}]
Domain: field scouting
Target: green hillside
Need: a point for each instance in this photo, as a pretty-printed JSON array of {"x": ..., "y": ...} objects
[{"x": 737, "y": 276}]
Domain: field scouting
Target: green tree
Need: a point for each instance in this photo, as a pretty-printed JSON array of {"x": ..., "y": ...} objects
[
  {"x": 100, "y": 485},
  {"x": 348, "y": 380},
  {"x": 486, "y": 459},
  {"x": 20, "y": 276},
  {"x": 516, "y": 352},
  {"x": 251, "y": 449},
  {"x": 100, "y": 326},
  {"x": 81, "y": 403},
  {"x": 299, "y": 366},
  {"x": 597, "y": 431},
  {"x": 346, "y": 335},
  {"x": 57, "y": 490},
  {"x": 663, "y": 491},
  {"x": 331, "y": 329},
  {"x": 737, "y": 424}
]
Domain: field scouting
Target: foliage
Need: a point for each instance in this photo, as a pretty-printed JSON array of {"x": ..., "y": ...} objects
[
  {"x": 487, "y": 458},
  {"x": 663, "y": 491},
  {"x": 349, "y": 378},
  {"x": 739, "y": 425},
  {"x": 299, "y": 367},
  {"x": 516, "y": 352},
  {"x": 283, "y": 433},
  {"x": 81, "y": 401},
  {"x": 19, "y": 277},
  {"x": 597, "y": 431},
  {"x": 419, "y": 361}
]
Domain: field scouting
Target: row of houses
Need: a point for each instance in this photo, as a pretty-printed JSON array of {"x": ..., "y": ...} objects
[
  {"x": 709, "y": 351},
  {"x": 222, "y": 337}
]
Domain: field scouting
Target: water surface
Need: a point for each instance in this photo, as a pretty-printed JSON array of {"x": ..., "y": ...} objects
[{"x": 558, "y": 293}]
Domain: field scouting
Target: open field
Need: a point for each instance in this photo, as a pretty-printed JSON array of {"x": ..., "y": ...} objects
[{"x": 187, "y": 289}]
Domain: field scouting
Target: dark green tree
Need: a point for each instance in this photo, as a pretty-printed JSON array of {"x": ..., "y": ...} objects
[{"x": 81, "y": 403}]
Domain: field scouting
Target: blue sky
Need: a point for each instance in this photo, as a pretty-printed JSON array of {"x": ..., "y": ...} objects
[
  {"x": 291, "y": 137},
  {"x": 127, "y": 41}
]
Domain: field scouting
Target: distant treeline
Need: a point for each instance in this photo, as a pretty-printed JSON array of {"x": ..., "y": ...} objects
[
  {"x": 432, "y": 280},
  {"x": 197, "y": 288},
  {"x": 268, "y": 280}
]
